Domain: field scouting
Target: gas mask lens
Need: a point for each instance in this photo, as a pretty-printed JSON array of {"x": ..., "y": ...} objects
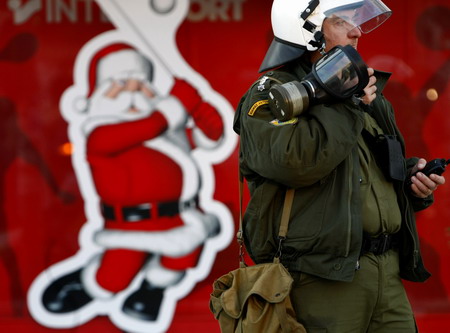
[
  {"x": 338, "y": 75},
  {"x": 340, "y": 72}
]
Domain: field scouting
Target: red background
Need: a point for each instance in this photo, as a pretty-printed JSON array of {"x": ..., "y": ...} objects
[{"x": 39, "y": 226}]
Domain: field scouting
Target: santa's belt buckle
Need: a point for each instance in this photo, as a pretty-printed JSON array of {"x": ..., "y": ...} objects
[
  {"x": 137, "y": 213},
  {"x": 146, "y": 211}
]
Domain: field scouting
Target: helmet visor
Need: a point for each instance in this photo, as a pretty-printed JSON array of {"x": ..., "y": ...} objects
[{"x": 367, "y": 15}]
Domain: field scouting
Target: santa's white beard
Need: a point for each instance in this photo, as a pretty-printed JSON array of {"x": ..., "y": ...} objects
[{"x": 120, "y": 106}]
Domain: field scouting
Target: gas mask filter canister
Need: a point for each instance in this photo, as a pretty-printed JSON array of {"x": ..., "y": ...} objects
[{"x": 338, "y": 75}]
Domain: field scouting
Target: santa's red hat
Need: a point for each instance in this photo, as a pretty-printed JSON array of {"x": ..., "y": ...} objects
[{"x": 112, "y": 61}]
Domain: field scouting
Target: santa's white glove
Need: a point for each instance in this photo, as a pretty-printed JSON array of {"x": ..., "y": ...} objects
[{"x": 173, "y": 111}]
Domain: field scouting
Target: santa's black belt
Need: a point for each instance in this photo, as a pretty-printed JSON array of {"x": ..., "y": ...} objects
[
  {"x": 146, "y": 211},
  {"x": 379, "y": 245}
]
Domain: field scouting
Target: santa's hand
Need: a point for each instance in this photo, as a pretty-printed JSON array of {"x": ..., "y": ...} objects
[
  {"x": 187, "y": 94},
  {"x": 173, "y": 111},
  {"x": 176, "y": 242},
  {"x": 100, "y": 93}
]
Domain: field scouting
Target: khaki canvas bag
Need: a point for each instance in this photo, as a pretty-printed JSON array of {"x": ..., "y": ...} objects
[{"x": 255, "y": 299}]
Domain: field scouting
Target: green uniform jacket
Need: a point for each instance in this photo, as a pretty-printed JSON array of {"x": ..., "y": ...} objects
[{"x": 317, "y": 154}]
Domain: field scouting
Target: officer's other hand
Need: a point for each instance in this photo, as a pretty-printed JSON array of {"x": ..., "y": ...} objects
[
  {"x": 423, "y": 186},
  {"x": 370, "y": 89}
]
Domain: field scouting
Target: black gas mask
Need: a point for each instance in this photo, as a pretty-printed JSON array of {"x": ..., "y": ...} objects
[{"x": 339, "y": 74}]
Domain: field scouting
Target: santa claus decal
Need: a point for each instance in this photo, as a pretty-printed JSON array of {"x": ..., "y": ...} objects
[{"x": 146, "y": 131}]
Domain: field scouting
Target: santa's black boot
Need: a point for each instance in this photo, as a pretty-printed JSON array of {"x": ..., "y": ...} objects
[
  {"x": 144, "y": 303},
  {"x": 66, "y": 294}
]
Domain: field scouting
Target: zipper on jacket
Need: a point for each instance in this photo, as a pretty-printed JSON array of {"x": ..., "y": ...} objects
[
  {"x": 350, "y": 219},
  {"x": 411, "y": 234}
]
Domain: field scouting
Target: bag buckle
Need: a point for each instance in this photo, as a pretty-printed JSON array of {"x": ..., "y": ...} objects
[
  {"x": 280, "y": 241},
  {"x": 240, "y": 241}
]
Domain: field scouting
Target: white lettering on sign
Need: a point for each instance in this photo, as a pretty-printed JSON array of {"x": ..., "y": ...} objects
[
  {"x": 75, "y": 11},
  {"x": 22, "y": 12},
  {"x": 216, "y": 10},
  {"x": 72, "y": 10}
]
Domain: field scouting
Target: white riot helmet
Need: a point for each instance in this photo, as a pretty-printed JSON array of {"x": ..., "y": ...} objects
[{"x": 297, "y": 24}]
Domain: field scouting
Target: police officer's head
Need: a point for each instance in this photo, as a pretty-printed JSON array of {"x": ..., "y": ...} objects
[{"x": 297, "y": 25}]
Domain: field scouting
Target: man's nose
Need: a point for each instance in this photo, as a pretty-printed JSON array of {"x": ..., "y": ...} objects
[{"x": 354, "y": 32}]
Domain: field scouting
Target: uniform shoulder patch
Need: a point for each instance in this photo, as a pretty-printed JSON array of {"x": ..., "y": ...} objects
[
  {"x": 264, "y": 82},
  {"x": 276, "y": 122},
  {"x": 255, "y": 106},
  {"x": 261, "y": 85}
]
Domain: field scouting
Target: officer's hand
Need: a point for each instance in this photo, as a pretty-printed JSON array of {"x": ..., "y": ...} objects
[
  {"x": 370, "y": 89},
  {"x": 423, "y": 186}
]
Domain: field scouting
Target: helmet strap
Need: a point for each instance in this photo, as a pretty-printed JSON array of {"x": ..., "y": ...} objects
[
  {"x": 322, "y": 49},
  {"x": 318, "y": 40}
]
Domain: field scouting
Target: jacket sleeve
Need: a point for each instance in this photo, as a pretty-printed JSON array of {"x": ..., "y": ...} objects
[
  {"x": 390, "y": 125},
  {"x": 299, "y": 152}
]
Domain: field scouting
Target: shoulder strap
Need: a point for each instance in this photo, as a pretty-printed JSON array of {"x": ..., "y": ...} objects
[
  {"x": 288, "y": 199},
  {"x": 285, "y": 215}
]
